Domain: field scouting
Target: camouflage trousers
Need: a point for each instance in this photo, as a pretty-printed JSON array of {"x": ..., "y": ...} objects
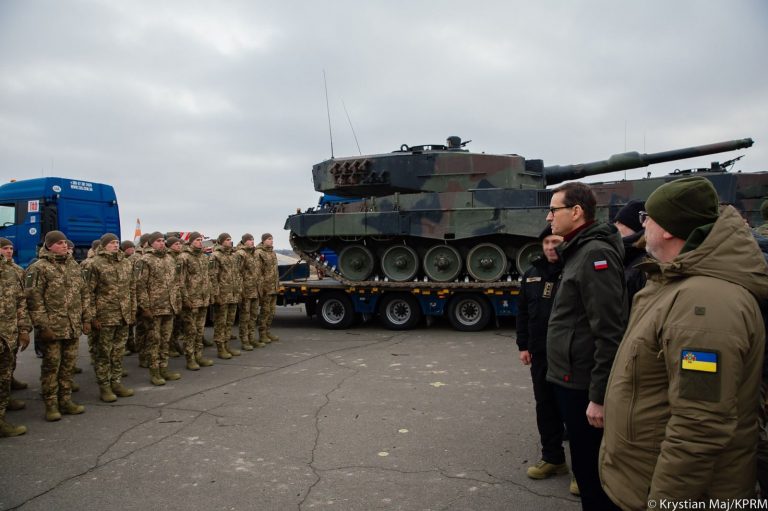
[
  {"x": 159, "y": 339},
  {"x": 267, "y": 312},
  {"x": 143, "y": 327},
  {"x": 177, "y": 337},
  {"x": 248, "y": 316},
  {"x": 109, "y": 349},
  {"x": 57, "y": 368},
  {"x": 7, "y": 363},
  {"x": 92, "y": 337},
  {"x": 193, "y": 324},
  {"x": 223, "y": 319}
]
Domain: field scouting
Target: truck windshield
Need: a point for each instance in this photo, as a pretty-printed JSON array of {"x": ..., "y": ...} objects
[{"x": 7, "y": 215}]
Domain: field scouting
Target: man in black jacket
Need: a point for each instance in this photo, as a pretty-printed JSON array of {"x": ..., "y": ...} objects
[
  {"x": 537, "y": 293},
  {"x": 627, "y": 221},
  {"x": 586, "y": 326}
]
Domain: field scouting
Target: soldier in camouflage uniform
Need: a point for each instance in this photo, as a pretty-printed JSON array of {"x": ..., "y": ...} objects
[
  {"x": 85, "y": 266},
  {"x": 113, "y": 295},
  {"x": 14, "y": 332},
  {"x": 250, "y": 272},
  {"x": 59, "y": 306},
  {"x": 195, "y": 297},
  {"x": 225, "y": 294},
  {"x": 6, "y": 252},
  {"x": 175, "y": 248},
  {"x": 128, "y": 248},
  {"x": 268, "y": 287},
  {"x": 159, "y": 299},
  {"x": 143, "y": 324}
]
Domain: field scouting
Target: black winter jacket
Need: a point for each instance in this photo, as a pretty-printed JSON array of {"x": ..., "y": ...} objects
[{"x": 534, "y": 304}]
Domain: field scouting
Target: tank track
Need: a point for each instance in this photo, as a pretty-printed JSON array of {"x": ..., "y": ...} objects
[{"x": 313, "y": 259}]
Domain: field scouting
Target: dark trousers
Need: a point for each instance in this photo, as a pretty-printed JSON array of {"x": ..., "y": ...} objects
[
  {"x": 548, "y": 418},
  {"x": 585, "y": 448}
]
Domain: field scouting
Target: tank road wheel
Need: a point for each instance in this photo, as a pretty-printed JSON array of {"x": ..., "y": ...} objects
[
  {"x": 486, "y": 262},
  {"x": 400, "y": 263},
  {"x": 305, "y": 244},
  {"x": 355, "y": 262},
  {"x": 335, "y": 311},
  {"x": 469, "y": 313},
  {"x": 442, "y": 263},
  {"x": 524, "y": 256},
  {"x": 399, "y": 311}
]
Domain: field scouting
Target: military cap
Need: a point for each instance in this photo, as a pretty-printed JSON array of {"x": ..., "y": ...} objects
[
  {"x": 194, "y": 235},
  {"x": 154, "y": 237},
  {"x": 246, "y": 237},
  {"x": 764, "y": 209},
  {"x": 547, "y": 231},
  {"x": 170, "y": 241},
  {"x": 107, "y": 239},
  {"x": 629, "y": 215},
  {"x": 143, "y": 239},
  {"x": 683, "y": 205},
  {"x": 5, "y": 242},
  {"x": 70, "y": 244},
  {"x": 223, "y": 237},
  {"x": 265, "y": 236},
  {"x": 96, "y": 243},
  {"x": 126, "y": 245},
  {"x": 54, "y": 237}
]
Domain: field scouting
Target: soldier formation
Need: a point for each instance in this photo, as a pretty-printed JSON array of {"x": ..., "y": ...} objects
[{"x": 129, "y": 299}]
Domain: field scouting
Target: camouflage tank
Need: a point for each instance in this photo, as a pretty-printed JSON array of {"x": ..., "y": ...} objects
[{"x": 441, "y": 214}]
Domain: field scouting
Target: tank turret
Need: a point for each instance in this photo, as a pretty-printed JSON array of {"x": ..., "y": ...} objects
[{"x": 439, "y": 213}]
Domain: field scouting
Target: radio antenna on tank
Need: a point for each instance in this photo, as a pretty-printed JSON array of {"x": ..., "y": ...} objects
[
  {"x": 351, "y": 127},
  {"x": 328, "y": 110}
]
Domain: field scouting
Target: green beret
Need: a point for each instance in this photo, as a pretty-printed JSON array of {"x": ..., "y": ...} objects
[{"x": 683, "y": 205}]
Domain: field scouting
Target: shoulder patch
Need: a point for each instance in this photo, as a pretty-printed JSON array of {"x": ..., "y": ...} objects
[
  {"x": 30, "y": 280},
  {"x": 705, "y": 361},
  {"x": 600, "y": 265},
  {"x": 700, "y": 375}
]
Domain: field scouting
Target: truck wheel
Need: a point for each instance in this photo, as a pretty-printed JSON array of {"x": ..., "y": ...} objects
[
  {"x": 335, "y": 311},
  {"x": 399, "y": 311},
  {"x": 469, "y": 313}
]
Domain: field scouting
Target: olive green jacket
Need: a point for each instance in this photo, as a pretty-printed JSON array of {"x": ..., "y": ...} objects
[
  {"x": 677, "y": 426},
  {"x": 589, "y": 314}
]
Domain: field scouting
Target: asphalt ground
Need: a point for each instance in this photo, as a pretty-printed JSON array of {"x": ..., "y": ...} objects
[{"x": 363, "y": 419}]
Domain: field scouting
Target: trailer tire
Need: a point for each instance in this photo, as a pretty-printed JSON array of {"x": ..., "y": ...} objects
[
  {"x": 335, "y": 311},
  {"x": 469, "y": 313},
  {"x": 399, "y": 311}
]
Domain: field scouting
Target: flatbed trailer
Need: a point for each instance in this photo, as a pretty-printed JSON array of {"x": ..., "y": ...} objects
[{"x": 402, "y": 305}]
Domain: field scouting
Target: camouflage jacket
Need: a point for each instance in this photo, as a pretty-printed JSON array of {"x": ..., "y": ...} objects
[
  {"x": 113, "y": 289},
  {"x": 157, "y": 283},
  {"x": 250, "y": 270},
  {"x": 13, "y": 306},
  {"x": 195, "y": 281},
  {"x": 268, "y": 283},
  {"x": 57, "y": 295},
  {"x": 225, "y": 276}
]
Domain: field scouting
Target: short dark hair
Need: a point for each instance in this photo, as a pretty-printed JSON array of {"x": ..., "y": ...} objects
[{"x": 579, "y": 194}]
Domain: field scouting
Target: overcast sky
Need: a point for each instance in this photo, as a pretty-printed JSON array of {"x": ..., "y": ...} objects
[{"x": 209, "y": 115}]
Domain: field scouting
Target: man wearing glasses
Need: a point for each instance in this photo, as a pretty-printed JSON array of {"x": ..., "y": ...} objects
[
  {"x": 585, "y": 328},
  {"x": 682, "y": 400}
]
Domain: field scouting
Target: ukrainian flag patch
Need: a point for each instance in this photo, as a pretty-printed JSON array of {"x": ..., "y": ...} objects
[{"x": 703, "y": 361}]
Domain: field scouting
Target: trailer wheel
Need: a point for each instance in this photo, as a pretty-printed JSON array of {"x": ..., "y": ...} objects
[
  {"x": 335, "y": 311},
  {"x": 469, "y": 313},
  {"x": 399, "y": 311}
]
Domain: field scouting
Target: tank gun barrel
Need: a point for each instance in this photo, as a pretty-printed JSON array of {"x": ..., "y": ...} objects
[{"x": 634, "y": 160}]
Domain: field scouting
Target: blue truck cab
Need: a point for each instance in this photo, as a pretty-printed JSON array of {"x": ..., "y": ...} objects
[{"x": 30, "y": 208}]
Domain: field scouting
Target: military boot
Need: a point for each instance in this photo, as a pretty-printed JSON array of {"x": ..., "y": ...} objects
[
  {"x": 202, "y": 361},
  {"x": 174, "y": 353},
  {"x": 169, "y": 375},
  {"x": 192, "y": 364},
  {"x": 272, "y": 337},
  {"x": 15, "y": 404},
  {"x": 263, "y": 339},
  {"x": 246, "y": 346},
  {"x": 71, "y": 408},
  {"x": 222, "y": 351},
  {"x": 121, "y": 390},
  {"x": 18, "y": 385},
  {"x": 8, "y": 429},
  {"x": 106, "y": 394},
  {"x": 52, "y": 413},
  {"x": 232, "y": 351},
  {"x": 155, "y": 378}
]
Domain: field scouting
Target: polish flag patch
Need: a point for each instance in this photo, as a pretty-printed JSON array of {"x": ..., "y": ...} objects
[{"x": 601, "y": 265}]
